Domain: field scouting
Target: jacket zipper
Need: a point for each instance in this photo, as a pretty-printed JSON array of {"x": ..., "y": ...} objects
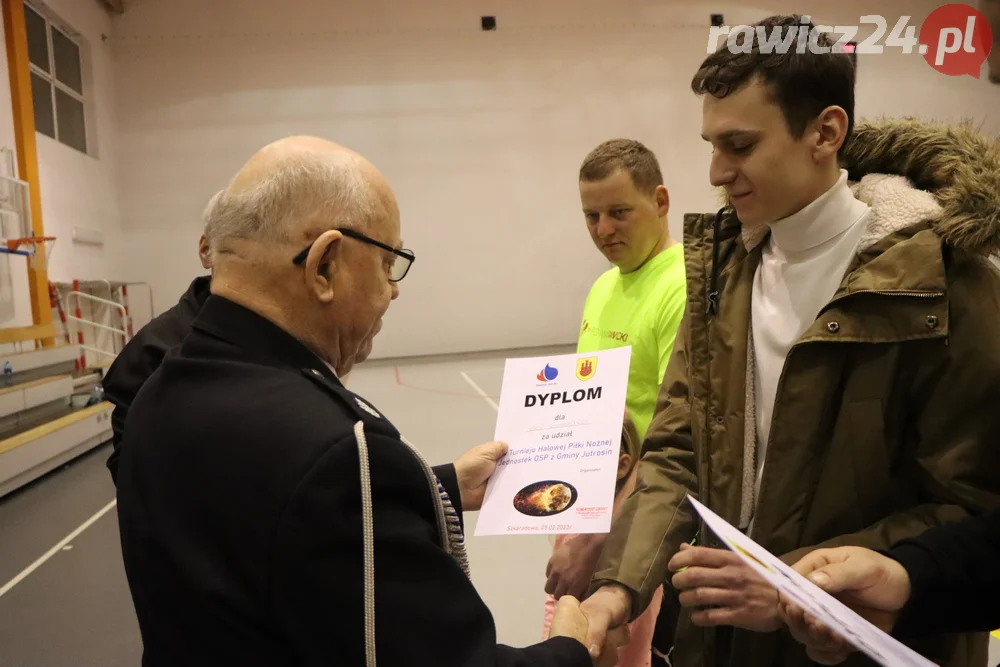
[
  {"x": 912, "y": 293},
  {"x": 711, "y": 309},
  {"x": 898, "y": 293},
  {"x": 712, "y": 295}
]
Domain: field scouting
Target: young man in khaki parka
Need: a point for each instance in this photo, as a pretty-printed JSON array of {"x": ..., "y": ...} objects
[{"x": 836, "y": 378}]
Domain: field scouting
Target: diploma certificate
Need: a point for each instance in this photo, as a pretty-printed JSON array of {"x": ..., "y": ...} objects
[{"x": 562, "y": 419}]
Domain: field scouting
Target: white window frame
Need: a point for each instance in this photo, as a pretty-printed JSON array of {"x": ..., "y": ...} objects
[{"x": 54, "y": 83}]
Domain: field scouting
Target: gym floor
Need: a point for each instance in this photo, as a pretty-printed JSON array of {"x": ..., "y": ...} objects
[{"x": 64, "y": 599}]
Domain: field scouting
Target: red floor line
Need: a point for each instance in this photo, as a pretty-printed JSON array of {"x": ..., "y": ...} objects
[{"x": 430, "y": 390}]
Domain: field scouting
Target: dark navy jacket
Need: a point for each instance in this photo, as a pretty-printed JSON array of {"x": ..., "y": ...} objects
[{"x": 239, "y": 503}]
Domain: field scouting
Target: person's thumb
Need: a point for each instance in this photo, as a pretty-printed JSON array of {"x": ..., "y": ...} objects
[
  {"x": 820, "y": 578},
  {"x": 495, "y": 450},
  {"x": 840, "y": 577},
  {"x": 597, "y": 632}
]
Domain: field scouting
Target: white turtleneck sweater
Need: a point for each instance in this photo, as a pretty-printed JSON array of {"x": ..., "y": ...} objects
[{"x": 802, "y": 265}]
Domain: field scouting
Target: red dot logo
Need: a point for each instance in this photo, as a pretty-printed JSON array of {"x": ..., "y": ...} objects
[{"x": 956, "y": 39}]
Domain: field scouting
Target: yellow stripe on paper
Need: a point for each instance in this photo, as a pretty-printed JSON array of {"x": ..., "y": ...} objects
[{"x": 996, "y": 634}]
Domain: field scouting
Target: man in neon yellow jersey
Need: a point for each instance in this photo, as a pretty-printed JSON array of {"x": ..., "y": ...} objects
[{"x": 638, "y": 302}]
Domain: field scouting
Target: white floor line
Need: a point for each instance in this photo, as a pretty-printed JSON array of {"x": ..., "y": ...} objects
[
  {"x": 479, "y": 390},
  {"x": 56, "y": 549}
]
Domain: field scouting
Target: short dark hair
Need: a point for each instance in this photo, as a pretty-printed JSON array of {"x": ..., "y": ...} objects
[
  {"x": 627, "y": 154},
  {"x": 801, "y": 84}
]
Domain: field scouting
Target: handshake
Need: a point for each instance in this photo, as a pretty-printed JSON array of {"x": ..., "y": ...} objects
[
  {"x": 599, "y": 623},
  {"x": 720, "y": 589}
]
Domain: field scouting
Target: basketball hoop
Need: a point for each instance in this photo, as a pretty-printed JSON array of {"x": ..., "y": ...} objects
[{"x": 29, "y": 246}]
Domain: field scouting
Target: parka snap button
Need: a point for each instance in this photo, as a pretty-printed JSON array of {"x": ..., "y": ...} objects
[
  {"x": 932, "y": 321},
  {"x": 832, "y": 327},
  {"x": 720, "y": 419}
]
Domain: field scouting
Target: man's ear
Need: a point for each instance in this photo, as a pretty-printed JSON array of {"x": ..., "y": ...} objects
[
  {"x": 624, "y": 465},
  {"x": 831, "y": 131},
  {"x": 320, "y": 262},
  {"x": 205, "y": 252},
  {"x": 662, "y": 200}
]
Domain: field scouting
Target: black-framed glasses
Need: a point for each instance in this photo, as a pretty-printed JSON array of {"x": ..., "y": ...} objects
[{"x": 399, "y": 268}]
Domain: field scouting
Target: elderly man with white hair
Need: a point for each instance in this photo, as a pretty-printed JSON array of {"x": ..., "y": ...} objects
[{"x": 268, "y": 515}]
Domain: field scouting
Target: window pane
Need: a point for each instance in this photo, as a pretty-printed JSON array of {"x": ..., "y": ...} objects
[
  {"x": 38, "y": 41},
  {"x": 67, "y": 57},
  {"x": 72, "y": 128},
  {"x": 41, "y": 98}
]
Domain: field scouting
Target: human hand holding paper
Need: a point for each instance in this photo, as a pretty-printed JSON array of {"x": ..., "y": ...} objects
[
  {"x": 804, "y": 594},
  {"x": 474, "y": 469},
  {"x": 872, "y": 585},
  {"x": 722, "y": 589}
]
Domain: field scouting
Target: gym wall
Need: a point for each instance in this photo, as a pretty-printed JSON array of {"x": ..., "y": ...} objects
[{"x": 480, "y": 133}]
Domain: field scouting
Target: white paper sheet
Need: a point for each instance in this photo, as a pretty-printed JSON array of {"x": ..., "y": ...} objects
[
  {"x": 867, "y": 638},
  {"x": 562, "y": 418}
]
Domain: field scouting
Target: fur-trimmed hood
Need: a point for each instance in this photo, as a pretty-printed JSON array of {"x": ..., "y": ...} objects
[
  {"x": 911, "y": 171},
  {"x": 957, "y": 164}
]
